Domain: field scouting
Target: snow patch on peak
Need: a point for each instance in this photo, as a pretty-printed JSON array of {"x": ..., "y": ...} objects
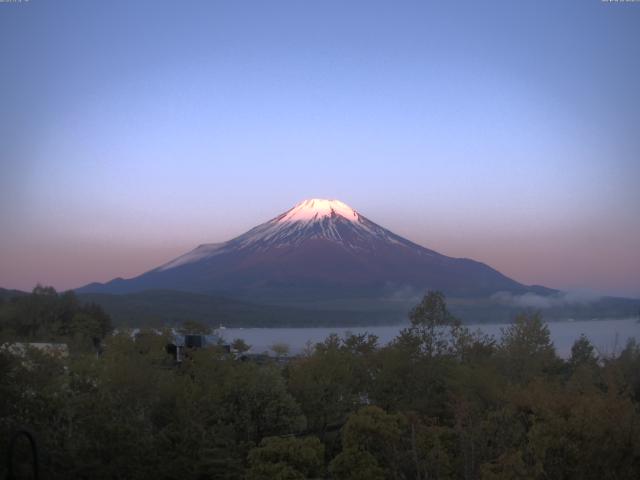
[
  {"x": 314, "y": 218},
  {"x": 318, "y": 208}
]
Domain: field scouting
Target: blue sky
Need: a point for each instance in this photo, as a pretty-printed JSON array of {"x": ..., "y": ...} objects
[{"x": 503, "y": 131}]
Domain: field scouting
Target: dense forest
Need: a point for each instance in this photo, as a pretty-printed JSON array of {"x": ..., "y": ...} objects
[{"x": 439, "y": 402}]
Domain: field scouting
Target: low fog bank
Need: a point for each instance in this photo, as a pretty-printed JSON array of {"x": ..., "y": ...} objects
[{"x": 534, "y": 300}]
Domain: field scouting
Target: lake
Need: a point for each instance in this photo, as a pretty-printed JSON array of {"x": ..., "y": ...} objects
[{"x": 608, "y": 336}]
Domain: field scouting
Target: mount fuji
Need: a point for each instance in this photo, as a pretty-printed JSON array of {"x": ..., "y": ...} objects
[{"x": 319, "y": 250}]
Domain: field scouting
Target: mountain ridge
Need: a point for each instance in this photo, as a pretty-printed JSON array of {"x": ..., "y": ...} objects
[{"x": 319, "y": 247}]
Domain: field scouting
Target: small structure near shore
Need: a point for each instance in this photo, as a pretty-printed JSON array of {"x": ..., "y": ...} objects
[{"x": 181, "y": 343}]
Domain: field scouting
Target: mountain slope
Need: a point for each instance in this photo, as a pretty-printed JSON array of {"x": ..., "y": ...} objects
[
  {"x": 319, "y": 249},
  {"x": 157, "y": 308}
]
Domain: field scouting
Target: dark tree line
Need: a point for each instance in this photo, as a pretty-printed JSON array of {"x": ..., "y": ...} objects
[
  {"x": 47, "y": 316},
  {"x": 439, "y": 402}
]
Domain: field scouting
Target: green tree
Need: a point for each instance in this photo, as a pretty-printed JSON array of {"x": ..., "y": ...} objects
[
  {"x": 323, "y": 385},
  {"x": 433, "y": 330},
  {"x": 240, "y": 346},
  {"x": 372, "y": 434},
  {"x": 573, "y": 436},
  {"x": 526, "y": 350},
  {"x": 356, "y": 464},
  {"x": 583, "y": 353},
  {"x": 45, "y": 315},
  {"x": 624, "y": 370},
  {"x": 286, "y": 458},
  {"x": 256, "y": 401}
]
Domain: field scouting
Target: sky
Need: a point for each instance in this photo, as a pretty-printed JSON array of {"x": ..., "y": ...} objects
[{"x": 507, "y": 132}]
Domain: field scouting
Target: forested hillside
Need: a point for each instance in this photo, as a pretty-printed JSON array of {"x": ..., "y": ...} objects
[{"x": 439, "y": 402}]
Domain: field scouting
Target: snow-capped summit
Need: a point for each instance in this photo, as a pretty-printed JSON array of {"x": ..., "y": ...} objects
[
  {"x": 318, "y": 208},
  {"x": 313, "y": 220},
  {"x": 317, "y": 219},
  {"x": 319, "y": 248}
]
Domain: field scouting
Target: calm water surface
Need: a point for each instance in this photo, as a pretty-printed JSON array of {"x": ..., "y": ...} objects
[{"x": 608, "y": 336}]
